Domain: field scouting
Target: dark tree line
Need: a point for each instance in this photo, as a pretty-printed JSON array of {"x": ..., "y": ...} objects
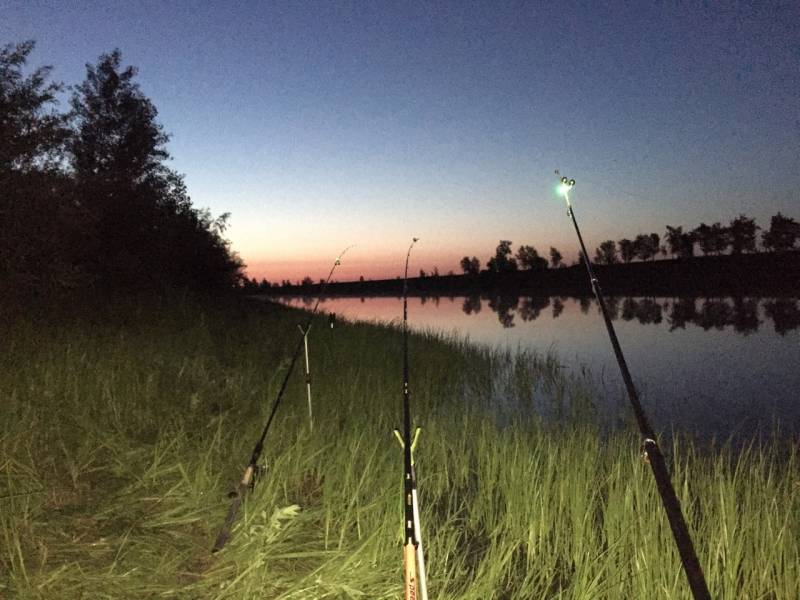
[
  {"x": 505, "y": 261},
  {"x": 86, "y": 199},
  {"x": 738, "y": 237}
]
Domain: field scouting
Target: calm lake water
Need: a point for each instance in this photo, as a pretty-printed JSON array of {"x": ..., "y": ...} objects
[{"x": 712, "y": 366}]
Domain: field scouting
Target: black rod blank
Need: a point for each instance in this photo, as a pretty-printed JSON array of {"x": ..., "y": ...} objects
[{"x": 650, "y": 448}]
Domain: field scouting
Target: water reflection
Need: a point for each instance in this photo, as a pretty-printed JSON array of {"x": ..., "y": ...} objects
[
  {"x": 784, "y": 313},
  {"x": 472, "y": 305},
  {"x": 739, "y": 313},
  {"x": 714, "y": 366}
]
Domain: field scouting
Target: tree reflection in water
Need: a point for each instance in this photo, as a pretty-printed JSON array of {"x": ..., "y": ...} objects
[
  {"x": 684, "y": 310},
  {"x": 531, "y": 306},
  {"x": 472, "y": 305},
  {"x": 558, "y": 307},
  {"x": 740, "y": 313},
  {"x": 784, "y": 314},
  {"x": 504, "y": 305},
  {"x": 745, "y": 315}
]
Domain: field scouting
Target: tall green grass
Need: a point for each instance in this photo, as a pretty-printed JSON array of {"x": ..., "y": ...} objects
[{"x": 124, "y": 429}]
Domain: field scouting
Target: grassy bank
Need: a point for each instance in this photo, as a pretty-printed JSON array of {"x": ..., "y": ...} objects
[{"x": 123, "y": 432}]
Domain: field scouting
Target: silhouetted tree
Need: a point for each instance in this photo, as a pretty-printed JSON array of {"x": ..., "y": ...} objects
[
  {"x": 627, "y": 250},
  {"x": 500, "y": 262},
  {"x": 655, "y": 243},
  {"x": 646, "y": 246},
  {"x": 528, "y": 258},
  {"x": 555, "y": 258},
  {"x": 470, "y": 266},
  {"x": 713, "y": 239},
  {"x": 674, "y": 239},
  {"x": 142, "y": 229},
  {"x": 782, "y": 235},
  {"x": 249, "y": 286},
  {"x": 37, "y": 211},
  {"x": 687, "y": 241},
  {"x": 31, "y": 130},
  {"x": 606, "y": 253},
  {"x": 742, "y": 235}
]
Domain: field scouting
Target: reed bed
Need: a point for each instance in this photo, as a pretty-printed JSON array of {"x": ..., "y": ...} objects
[{"x": 124, "y": 429}]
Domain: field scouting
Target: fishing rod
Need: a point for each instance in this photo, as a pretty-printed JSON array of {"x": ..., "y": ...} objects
[
  {"x": 305, "y": 332},
  {"x": 413, "y": 556},
  {"x": 250, "y": 472},
  {"x": 650, "y": 449}
]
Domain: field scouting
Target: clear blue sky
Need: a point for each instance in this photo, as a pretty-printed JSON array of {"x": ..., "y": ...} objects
[{"x": 322, "y": 124}]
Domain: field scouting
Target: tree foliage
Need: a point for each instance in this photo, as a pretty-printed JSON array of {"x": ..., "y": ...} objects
[
  {"x": 555, "y": 258},
  {"x": 31, "y": 130},
  {"x": 470, "y": 266},
  {"x": 528, "y": 258},
  {"x": 502, "y": 262},
  {"x": 713, "y": 239},
  {"x": 646, "y": 246},
  {"x": 35, "y": 194},
  {"x": 782, "y": 235},
  {"x": 88, "y": 200},
  {"x": 606, "y": 253},
  {"x": 627, "y": 252}
]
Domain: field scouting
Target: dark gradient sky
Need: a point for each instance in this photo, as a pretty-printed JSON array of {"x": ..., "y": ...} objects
[{"x": 318, "y": 125}]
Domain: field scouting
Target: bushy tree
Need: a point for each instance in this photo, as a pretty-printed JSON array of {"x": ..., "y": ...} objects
[
  {"x": 470, "y": 266},
  {"x": 500, "y": 262},
  {"x": 713, "y": 239},
  {"x": 742, "y": 232},
  {"x": 606, "y": 253},
  {"x": 646, "y": 245},
  {"x": 627, "y": 250},
  {"x": 31, "y": 129},
  {"x": 681, "y": 243},
  {"x": 555, "y": 258},
  {"x": 674, "y": 239},
  {"x": 528, "y": 258},
  {"x": 37, "y": 212},
  {"x": 143, "y": 229},
  {"x": 783, "y": 233}
]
